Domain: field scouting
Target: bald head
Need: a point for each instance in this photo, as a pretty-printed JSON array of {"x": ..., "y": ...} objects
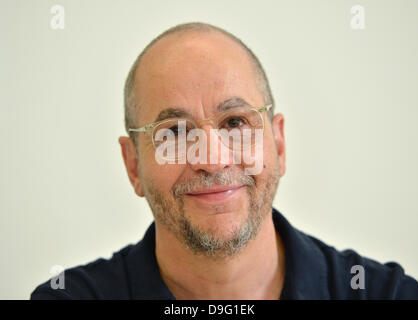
[{"x": 207, "y": 46}]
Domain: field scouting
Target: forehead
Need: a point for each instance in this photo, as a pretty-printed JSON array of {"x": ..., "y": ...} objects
[{"x": 194, "y": 71}]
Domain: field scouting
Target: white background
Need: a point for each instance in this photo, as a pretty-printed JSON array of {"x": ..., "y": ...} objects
[{"x": 349, "y": 98}]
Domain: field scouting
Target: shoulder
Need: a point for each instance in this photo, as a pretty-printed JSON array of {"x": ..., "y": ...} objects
[
  {"x": 100, "y": 279},
  {"x": 353, "y": 276}
]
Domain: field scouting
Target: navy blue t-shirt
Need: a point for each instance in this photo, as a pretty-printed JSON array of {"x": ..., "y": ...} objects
[{"x": 314, "y": 270}]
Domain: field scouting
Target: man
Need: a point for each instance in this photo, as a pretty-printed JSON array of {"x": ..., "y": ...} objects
[{"x": 216, "y": 235}]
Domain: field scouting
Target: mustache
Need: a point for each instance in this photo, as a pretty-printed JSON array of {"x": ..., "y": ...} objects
[{"x": 205, "y": 179}]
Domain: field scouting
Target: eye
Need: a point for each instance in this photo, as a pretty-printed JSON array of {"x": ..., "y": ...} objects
[
  {"x": 234, "y": 122},
  {"x": 180, "y": 129},
  {"x": 176, "y": 130}
]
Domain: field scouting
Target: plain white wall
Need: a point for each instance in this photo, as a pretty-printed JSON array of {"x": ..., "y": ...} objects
[{"x": 349, "y": 97}]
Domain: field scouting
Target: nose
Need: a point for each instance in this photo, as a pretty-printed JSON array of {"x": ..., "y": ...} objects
[{"x": 216, "y": 155}]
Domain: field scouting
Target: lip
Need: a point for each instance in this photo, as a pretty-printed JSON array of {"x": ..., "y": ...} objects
[{"x": 215, "y": 194}]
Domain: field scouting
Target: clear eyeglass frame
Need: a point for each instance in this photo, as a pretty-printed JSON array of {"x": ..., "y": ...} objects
[{"x": 152, "y": 126}]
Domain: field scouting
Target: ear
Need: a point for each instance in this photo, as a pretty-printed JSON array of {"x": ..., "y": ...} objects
[
  {"x": 131, "y": 163},
  {"x": 278, "y": 132}
]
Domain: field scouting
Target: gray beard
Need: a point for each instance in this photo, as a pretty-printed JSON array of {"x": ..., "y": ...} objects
[{"x": 169, "y": 211}]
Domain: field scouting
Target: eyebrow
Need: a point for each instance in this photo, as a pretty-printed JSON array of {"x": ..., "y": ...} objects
[
  {"x": 227, "y": 104},
  {"x": 170, "y": 113},
  {"x": 232, "y": 103}
]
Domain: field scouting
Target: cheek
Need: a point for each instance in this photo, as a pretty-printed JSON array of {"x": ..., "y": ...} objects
[
  {"x": 160, "y": 176},
  {"x": 167, "y": 175},
  {"x": 270, "y": 155},
  {"x": 270, "y": 168},
  {"x": 163, "y": 177},
  {"x": 263, "y": 157}
]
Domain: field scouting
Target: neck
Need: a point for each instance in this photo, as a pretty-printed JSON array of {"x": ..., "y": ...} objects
[{"x": 257, "y": 272}]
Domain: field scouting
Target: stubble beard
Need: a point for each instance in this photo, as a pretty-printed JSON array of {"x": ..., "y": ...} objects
[{"x": 169, "y": 211}]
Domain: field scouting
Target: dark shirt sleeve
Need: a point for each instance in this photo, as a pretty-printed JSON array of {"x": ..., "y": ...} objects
[
  {"x": 389, "y": 281},
  {"x": 101, "y": 279},
  {"x": 386, "y": 281},
  {"x": 78, "y": 286},
  {"x": 407, "y": 288}
]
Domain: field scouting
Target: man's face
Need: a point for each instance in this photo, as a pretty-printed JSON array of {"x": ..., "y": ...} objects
[{"x": 197, "y": 72}]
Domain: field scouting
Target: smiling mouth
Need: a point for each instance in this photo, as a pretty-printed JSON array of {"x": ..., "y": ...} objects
[{"x": 215, "y": 194}]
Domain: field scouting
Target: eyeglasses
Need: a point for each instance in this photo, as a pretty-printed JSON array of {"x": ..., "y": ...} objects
[{"x": 238, "y": 121}]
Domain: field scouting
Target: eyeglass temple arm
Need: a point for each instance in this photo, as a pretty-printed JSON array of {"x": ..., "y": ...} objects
[
  {"x": 265, "y": 108},
  {"x": 142, "y": 129}
]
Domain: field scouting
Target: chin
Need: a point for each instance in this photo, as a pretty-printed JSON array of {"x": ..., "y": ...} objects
[{"x": 221, "y": 225}]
